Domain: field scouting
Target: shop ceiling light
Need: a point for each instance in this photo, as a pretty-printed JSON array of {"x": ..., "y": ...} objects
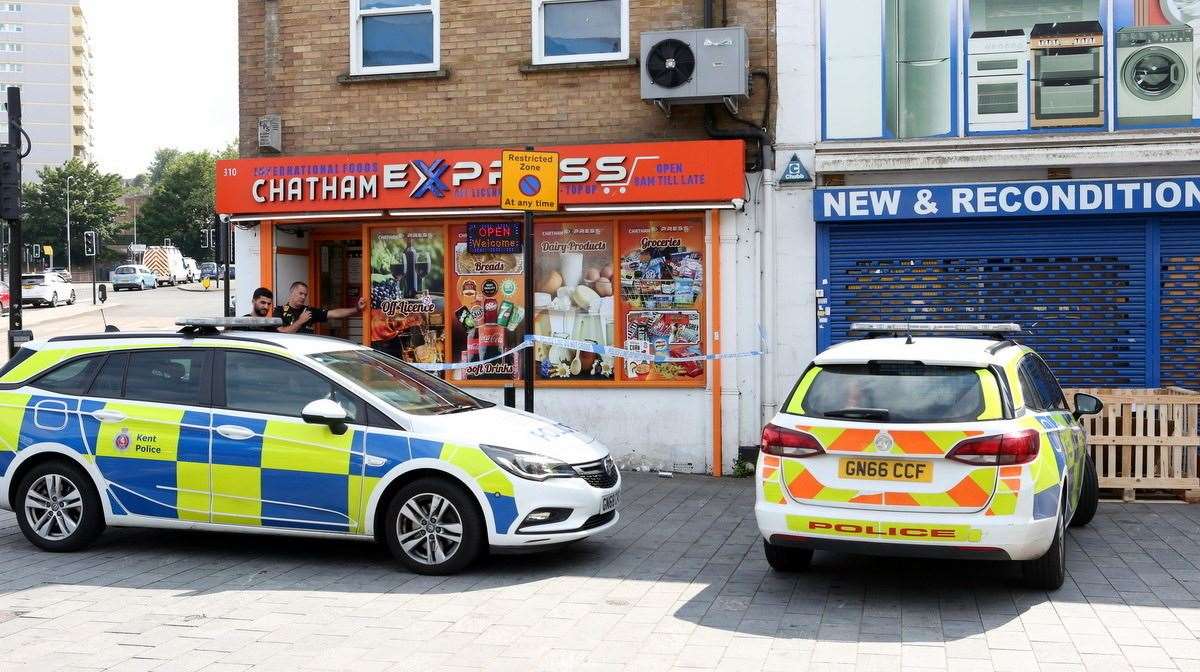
[
  {"x": 304, "y": 216},
  {"x": 650, "y": 208}
]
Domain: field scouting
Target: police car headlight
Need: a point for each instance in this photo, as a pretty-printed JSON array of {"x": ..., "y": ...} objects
[{"x": 529, "y": 465}]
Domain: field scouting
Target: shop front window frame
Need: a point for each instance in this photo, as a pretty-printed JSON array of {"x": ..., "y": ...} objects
[
  {"x": 357, "y": 16},
  {"x": 538, "y": 34},
  {"x": 618, "y": 224}
]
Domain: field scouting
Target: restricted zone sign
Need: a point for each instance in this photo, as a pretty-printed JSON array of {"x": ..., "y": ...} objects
[{"x": 529, "y": 181}]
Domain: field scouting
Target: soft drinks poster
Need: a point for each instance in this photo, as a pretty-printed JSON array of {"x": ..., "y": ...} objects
[
  {"x": 662, "y": 290},
  {"x": 573, "y": 298},
  {"x": 487, "y": 309},
  {"x": 408, "y": 293}
]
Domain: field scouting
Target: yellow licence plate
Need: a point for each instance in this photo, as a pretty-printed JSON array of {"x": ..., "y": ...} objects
[{"x": 908, "y": 471}]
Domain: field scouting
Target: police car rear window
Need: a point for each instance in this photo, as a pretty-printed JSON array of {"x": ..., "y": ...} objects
[
  {"x": 895, "y": 392},
  {"x": 126, "y": 270}
]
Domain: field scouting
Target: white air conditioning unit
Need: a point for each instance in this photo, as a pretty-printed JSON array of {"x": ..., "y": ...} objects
[{"x": 708, "y": 65}]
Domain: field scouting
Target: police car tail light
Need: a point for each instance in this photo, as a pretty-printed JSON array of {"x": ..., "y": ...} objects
[
  {"x": 785, "y": 442},
  {"x": 998, "y": 450}
]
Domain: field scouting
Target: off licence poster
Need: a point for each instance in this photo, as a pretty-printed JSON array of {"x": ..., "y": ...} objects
[
  {"x": 662, "y": 290},
  {"x": 408, "y": 295}
]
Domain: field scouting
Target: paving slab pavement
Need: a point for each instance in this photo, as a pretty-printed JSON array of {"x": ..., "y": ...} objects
[{"x": 679, "y": 584}]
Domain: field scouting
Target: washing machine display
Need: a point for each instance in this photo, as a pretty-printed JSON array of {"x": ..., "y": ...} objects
[{"x": 1156, "y": 79}]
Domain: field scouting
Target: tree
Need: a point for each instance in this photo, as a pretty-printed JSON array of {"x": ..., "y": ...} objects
[
  {"x": 94, "y": 206},
  {"x": 181, "y": 200}
]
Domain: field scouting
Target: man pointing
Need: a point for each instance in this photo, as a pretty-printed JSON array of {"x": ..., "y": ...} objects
[{"x": 299, "y": 318}]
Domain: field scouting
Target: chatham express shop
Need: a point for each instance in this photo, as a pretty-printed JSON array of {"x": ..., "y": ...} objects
[{"x": 630, "y": 261}]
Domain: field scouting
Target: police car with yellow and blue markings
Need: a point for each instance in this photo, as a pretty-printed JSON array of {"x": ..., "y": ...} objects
[
  {"x": 284, "y": 434},
  {"x": 937, "y": 445}
]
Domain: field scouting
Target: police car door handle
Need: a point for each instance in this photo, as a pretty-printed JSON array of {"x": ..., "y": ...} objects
[
  {"x": 108, "y": 416},
  {"x": 235, "y": 432}
]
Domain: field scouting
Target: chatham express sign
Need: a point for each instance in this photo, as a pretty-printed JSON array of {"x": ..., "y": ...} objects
[
  {"x": 1013, "y": 199},
  {"x": 668, "y": 172}
]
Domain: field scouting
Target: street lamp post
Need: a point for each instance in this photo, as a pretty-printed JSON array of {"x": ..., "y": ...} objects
[{"x": 69, "y": 178}]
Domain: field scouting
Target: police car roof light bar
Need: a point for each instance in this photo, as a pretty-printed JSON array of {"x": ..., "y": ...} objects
[
  {"x": 207, "y": 326},
  {"x": 996, "y": 330}
]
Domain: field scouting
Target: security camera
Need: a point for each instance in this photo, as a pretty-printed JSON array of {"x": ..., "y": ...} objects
[
  {"x": 739, "y": 203},
  {"x": 224, "y": 218}
]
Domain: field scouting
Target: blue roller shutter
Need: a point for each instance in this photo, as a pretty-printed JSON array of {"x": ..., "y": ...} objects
[
  {"x": 1179, "y": 307},
  {"x": 1077, "y": 288}
]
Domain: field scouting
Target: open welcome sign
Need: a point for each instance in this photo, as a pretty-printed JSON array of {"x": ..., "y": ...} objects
[{"x": 494, "y": 237}]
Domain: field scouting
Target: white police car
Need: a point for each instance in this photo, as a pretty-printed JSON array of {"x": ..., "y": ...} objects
[
  {"x": 927, "y": 446},
  {"x": 284, "y": 434}
]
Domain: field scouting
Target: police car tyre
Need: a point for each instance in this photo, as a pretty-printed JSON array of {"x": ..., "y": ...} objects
[
  {"x": 433, "y": 527},
  {"x": 53, "y": 300},
  {"x": 72, "y": 301},
  {"x": 787, "y": 559},
  {"x": 1049, "y": 571},
  {"x": 1089, "y": 495},
  {"x": 58, "y": 508}
]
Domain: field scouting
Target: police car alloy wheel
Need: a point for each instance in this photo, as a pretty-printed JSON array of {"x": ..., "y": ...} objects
[
  {"x": 58, "y": 508},
  {"x": 433, "y": 528}
]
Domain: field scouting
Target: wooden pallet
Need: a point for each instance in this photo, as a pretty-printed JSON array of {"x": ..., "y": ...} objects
[{"x": 1146, "y": 440}]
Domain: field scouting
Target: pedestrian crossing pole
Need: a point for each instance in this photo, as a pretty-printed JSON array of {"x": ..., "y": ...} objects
[{"x": 10, "y": 211}]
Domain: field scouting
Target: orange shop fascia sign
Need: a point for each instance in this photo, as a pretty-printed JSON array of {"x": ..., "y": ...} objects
[{"x": 662, "y": 172}]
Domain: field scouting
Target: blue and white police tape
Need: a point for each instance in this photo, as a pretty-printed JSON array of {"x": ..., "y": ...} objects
[
  {"x": 589, "y": 346},
  {"x": 636, "y": 355}
]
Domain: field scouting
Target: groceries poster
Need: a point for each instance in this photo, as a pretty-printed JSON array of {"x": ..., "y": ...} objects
[{"x": 662, "y": 296}]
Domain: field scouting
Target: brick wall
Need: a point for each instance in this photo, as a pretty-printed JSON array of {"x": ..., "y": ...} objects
[{"x": 486, "y": 101}]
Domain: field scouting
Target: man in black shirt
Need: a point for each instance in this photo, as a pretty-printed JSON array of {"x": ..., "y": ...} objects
[
  {"x": 299, "y": 318},
  {"x": 260, "y": 304}
]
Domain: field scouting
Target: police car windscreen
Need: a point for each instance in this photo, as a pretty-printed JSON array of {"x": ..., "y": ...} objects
[
  {"x": 896, "y": 392},
  {"x": 399, "y": 384}
]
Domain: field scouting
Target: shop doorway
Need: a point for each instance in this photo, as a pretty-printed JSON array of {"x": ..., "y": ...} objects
[{"x": 337, "y": 281}]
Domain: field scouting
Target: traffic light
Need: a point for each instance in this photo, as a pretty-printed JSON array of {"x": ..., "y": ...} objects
[
  {"x": 10, "y": 183},
  {"x": 89, "y": 243},
  {"x": 222, "y": 242}
]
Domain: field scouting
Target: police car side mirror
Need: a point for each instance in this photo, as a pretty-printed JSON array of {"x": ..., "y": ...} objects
[
  {"x": 326, "y": 412},
  {"x": 1086, "y": 404}
]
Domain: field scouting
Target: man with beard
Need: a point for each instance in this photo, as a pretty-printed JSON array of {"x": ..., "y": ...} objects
[{"x": 260, "y": 303}]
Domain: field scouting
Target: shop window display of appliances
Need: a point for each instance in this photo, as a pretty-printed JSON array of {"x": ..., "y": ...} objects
[
  {"x": 1176, "y": 13},
  {"x": 998, "y": 81},
  {"x": 917, "y": 61},
  {"x": 1068, "y": 74},
  {"x": 989, "y": 15},
  {"x": 1155, "y": 82}
]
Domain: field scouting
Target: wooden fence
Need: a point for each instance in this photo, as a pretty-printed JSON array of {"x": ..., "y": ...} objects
[{"x": 1146, "y": 439}]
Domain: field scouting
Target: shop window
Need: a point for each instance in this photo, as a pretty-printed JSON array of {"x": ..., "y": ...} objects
[
  {"x": 576, "y": 31},
  {"x": 636, "y": 284},
  {"x": 393, "y": 36},
  {"x": 408, "y": 293},
  {"x": 487, "y": 309}
]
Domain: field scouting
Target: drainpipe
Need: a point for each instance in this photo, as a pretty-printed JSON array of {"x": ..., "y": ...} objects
[{"x": 766, "y": 258}]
